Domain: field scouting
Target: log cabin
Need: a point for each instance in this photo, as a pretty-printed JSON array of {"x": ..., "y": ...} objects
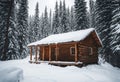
[{"x": 72, "y": 48}]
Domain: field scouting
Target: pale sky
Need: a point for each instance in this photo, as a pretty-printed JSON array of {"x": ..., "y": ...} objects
[{"x": 49, "y": 3}]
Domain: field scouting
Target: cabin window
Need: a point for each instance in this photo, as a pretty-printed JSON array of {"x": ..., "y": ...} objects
[
  {"x": 72, "y": 51},
  {"x": 90, "y": 51}
]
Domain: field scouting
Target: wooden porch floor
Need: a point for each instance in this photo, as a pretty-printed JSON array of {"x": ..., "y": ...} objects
[{"x": 59, "y": 63}]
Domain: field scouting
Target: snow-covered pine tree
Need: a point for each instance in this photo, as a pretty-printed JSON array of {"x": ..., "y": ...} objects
[
  {"x": 3, "y": 18},
  {"x": 64, "y": 18},
  {"x": 36, "y": 23},
  {"x": 88, "y": 19},
  {"x": 68, "y": 19},
  {"x": 50, "y": 22},
  {"x": 103, "y": 22},
  {"x": 13, "y": 52},
  {"x": 30, "y": 29},
  {"x": 115, "y": 34},
  {"x": 46, "y": 28},
  {"x": 72, "y": 19},
  {"x": 80, "y": 14},
  {"x": 42, "y": 26},
  {"x": 22, "y": 25},
  {"x": 55, "y": 24},
  {"x": 8, "y": 32},
  {"x": 92, "y": 13},
  {"x": 60, "y": 17}
]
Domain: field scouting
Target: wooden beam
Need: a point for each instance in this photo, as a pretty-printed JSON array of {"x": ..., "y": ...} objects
[
  {"x": 49, "y": 52},
  {"x": 57, "y": 52},
  {"x": 43, "y": 55},
  {"x": 39, "y": 53},
  {"x": 36, "y": 53},
  {"x": 76, "y": 53},
  {"x": 30, "y": 53}
]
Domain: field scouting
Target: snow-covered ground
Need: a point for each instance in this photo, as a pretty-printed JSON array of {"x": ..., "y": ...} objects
[
  {"x": 10, "y": 74},
  {"x": 14, "y": 70}
]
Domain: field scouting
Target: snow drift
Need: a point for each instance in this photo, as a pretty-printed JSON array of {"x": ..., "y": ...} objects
[{"x": 11, "y": 74}]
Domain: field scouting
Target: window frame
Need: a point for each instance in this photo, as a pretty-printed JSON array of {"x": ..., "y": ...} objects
[
  {"x": 91, "y": 51},
  {"x": 71, "y": 51}
]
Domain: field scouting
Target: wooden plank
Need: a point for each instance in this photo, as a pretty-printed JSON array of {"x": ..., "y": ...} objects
[
  {"x": 76, "y": 52},
  {"x": 43, "y": 55},
  {"x": 36, "y": 53},
  {"x": 39, "y": 53},
  {"x": 30, "y": 53},
  {"x": 63, "y": 43},
  {"x": 60, "y": 63},
  {"x": 56, "y": 50},
  {"x": 49, "y": 52}
]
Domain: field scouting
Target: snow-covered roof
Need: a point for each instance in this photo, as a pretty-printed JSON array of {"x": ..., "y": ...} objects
[{"x": 64, "y": 37}]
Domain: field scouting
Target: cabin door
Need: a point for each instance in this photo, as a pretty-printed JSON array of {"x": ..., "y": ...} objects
[{"x": 53, "y": 54}]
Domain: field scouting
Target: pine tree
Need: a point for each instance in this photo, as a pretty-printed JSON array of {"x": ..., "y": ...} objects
[
  {"x": 64, "y": 19},
  {"x": 80, "y": 14},
  {"x": 92, "y": 13},
  {"x": 115, "y": 34},
  {"x": 30, "y": 29},
  {"x": 68, "y": 19},
  {"x": 60, "y": 17},
  {"x": 103, "y": 22},
  {"x": 36, "y": 22},
  {"x": 46, "y": 28},
  {"x": 3, "y": 18},
  {"x": 13, "y": 35},
  {"x": 72, "y": 19},
  {"x": 55, "y": 24},
  {"x": 50, "y": 22},
  {"x": 8, "y": 32},
  {"x": 115, "y": 26},
  {"x": 42, "y": 26},
  {"x": 22, "y": 26}
]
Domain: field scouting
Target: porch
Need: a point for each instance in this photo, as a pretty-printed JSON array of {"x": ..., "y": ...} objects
[
  {"x": 59, "y": 63},
  {"x": 40, "y": 52}
]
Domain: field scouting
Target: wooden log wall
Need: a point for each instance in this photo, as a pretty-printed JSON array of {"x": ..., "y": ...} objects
[
  {"x": 49, "y": 52},
  {"x": 43, "y": 53},
  {"x": 84, "y": 52},
  {"x": 30, "y": 53},
  {"x": 36, "y": 50},
  {"x": 64, "y": 52},
  {"x": 76, "y": 53}
]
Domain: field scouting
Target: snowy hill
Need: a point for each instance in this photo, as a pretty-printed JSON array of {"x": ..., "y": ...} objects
[{"x": 48, "y": 73}]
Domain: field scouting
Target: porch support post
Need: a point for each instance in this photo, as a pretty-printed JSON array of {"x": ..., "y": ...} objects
[
  {"x": 49, "y": 52},
  {"x": 43, "y": 55},
  {"x": 56, "y": 50},
  {"x": 39, "y": 53},
  {"x": 76, "y": 52},
  {"x": 30, "y": 53},
  {"x": 36, "y": 53}
]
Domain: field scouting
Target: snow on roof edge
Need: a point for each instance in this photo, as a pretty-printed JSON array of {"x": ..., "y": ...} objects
[{"x": 99, "y": 38}]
